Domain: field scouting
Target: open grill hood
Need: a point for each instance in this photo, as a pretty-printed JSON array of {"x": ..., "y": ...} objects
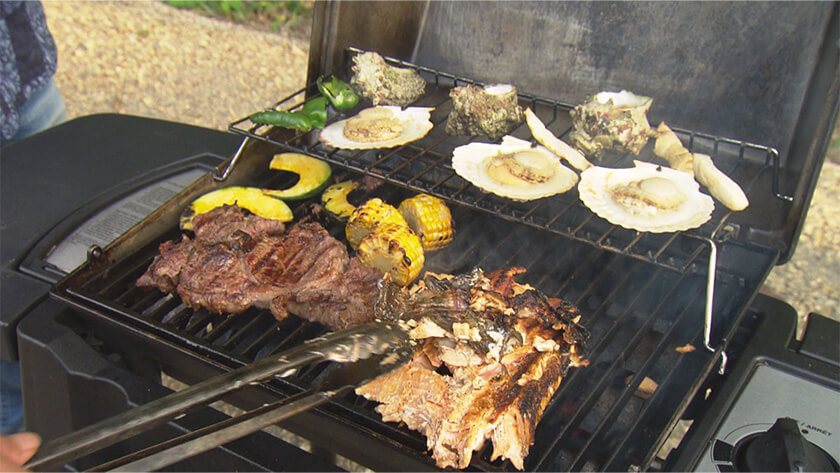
[{"x": 756, "y": 72}]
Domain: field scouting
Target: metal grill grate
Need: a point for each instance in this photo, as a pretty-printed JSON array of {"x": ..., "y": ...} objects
[
  {"x": 425, "y": 166},
  {"x": 637, "y": 313}
]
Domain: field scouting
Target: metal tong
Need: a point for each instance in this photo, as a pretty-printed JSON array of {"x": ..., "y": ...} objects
[{"x": 366, "y": 352}]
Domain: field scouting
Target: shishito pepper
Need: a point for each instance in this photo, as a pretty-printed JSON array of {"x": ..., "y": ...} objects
[
  {"x": 340, "y": 93},
  {"x": 316, "y": 111},
  {"x": 312, "y": 115},
  {"x": 283, "y": 119}
]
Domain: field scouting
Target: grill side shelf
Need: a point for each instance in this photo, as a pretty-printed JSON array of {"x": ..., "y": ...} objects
[{"x": 425, "y": 166}]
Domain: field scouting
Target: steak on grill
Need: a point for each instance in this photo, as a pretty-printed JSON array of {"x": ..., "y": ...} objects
[
  {"x": 492, "y": 354},
  {"x": 238, "y": 260}
]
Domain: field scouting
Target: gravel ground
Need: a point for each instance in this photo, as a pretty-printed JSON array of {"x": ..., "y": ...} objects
[
  {"x": 150, "y": 59},
  {"x": 146, "y": 58}
]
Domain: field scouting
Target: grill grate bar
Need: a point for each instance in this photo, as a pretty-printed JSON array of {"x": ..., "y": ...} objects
[
  {"x": 219, "y": 329},
  {"x": 662, "y": 385},
  {"x": 254, "y": 347},
  {"x": 594, "y": 393},
  {"x": 551, "y": 273},
  {"x": 157, "y": 306},
  {"x": 197, "y": 322},
  {"x": 596, "y": 316},
  {"x": 234, "y": 339},
  {"x": 177, "y": 315},
  {"x": 625, "y": 396},
  {"x": 144, "y": 301}
]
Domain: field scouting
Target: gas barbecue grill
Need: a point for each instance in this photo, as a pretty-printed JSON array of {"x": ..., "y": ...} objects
[{"x": 100, "y": 344}]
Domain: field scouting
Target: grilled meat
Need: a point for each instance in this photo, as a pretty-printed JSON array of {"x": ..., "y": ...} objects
[
  {"x": 238, "y": 260},
  {"x": 492, "y": 353}
]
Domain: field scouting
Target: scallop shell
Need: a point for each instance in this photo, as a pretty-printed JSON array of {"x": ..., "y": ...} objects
[
  {"x": 471, "y": 162},
  {"x": 647, "y": 198},
  {"x": 414, "y": 123}
]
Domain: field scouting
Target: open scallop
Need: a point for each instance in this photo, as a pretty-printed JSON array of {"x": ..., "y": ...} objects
[
  {"x": 379, "y": 127},
  {"x": 647, "y": 198},
  {"x": 513, "y": 169}
]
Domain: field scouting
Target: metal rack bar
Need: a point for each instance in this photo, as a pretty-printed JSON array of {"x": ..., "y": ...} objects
[{"x": 464, "y": 194}]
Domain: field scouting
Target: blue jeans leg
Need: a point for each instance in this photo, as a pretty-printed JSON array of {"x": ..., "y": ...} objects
[
  {"x": 11, "y": 401},
  {"x": 43, "y": 109}
]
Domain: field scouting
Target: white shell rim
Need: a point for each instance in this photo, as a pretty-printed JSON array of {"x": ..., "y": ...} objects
[
  {"x": 595, "y": 181},
  {"x": 418, "y": 120},
  {"x": 468, "y": 160}
]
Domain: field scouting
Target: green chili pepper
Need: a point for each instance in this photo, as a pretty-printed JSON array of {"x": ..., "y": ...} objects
[
  {"x": 296, "y": 120},
  {"x": 312, "y": 115},
  {"x": 341, "y": 94},
  {"x": 316, "y": 111}
]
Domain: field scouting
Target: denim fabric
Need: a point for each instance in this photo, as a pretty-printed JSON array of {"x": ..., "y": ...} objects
[
  {"x": 43, "y": 109},
  {"x": 11, "y": 403},
  {"x": 28, "y": 58}
]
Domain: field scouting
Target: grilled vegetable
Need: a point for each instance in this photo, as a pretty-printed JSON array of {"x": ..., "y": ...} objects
[
  {"x": 314, "y": 175},
  {"x": 335, "y": 201},
  {"x": 257, "y": 201},
  {"x": 312, "y": 115},
  {"x": 367, "y": 217},
  {"x": 340, "y": 93},
  {"x": 393, "y": 248},
  {"x": 430, "y": 219},
  {"x": 283, "y": 119}
]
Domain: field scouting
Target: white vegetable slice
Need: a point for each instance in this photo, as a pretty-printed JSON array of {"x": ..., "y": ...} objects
[
  {"x": 721, "y": 186},
  {"x": 556, "y": 145}
]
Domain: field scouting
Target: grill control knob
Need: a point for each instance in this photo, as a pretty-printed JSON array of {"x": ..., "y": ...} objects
[{"x": 781, "y": 448}]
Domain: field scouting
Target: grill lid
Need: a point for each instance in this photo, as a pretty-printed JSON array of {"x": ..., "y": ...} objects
[{"x": 760, "y": 73}]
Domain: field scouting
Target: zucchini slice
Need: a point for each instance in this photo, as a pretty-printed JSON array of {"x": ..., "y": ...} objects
[
  {"x": 256, "y": 200},
  {"x": 314, "y": 175},
  {"x": 335, "y": 201}
]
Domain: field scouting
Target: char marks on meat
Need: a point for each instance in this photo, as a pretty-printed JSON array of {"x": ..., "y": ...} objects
[
  {"x": 505, "y": 348},
  {"x": 238, "y": 260}
]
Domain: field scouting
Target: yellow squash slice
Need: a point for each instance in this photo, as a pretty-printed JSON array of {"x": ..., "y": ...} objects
[
  {"x": 335, "y": 201},
  {"x": 257, "y": 201},
  {"x": 314, "y": 175}
]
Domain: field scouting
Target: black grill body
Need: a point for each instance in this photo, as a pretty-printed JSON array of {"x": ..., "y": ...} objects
[
  {"x": 642, "y": 296},
  {"x": 637, "y": 312}
]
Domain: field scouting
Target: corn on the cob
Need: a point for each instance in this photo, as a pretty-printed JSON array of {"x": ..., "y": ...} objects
[
  {"x": 393, "y": 248},
  {"x": 368, "y": 217},
  {"x": 430, "y": 219}
]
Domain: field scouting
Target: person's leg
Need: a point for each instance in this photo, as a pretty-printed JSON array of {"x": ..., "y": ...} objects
[
  {"x": 11, "y": 401},
  {"x": 43, "y": 109}
]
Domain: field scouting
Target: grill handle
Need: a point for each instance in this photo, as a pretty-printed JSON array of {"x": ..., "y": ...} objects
[{"x": 346, "y": 346}]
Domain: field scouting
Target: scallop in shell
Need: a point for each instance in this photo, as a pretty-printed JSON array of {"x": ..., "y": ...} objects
[
  {"x": 379, "y": 127},
  {"x": 647, "y": 198},
  {"x": 513, "y": 169}
]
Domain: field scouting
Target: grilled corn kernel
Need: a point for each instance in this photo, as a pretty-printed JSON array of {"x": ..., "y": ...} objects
[
  {"x": 430, "y": 219},
  {"x": 368, "y": 217},
  {"x": 393, "y": 248}
]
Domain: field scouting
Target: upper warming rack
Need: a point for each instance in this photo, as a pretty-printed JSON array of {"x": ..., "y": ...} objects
[{"x": 425, "y": 166}]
